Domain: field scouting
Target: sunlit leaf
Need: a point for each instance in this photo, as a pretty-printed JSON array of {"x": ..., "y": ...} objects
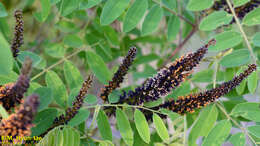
[
  {"x": 142, "y": 126},
  {"x": 104, "y": 126},
  {"x": 218, "y": 134},
  {"x": 161, "y": 128},
  {"x": 59, "y": 91},
  {"x": 112, "y": 10},
  {"x": 134, "y": 14},
  {"x": 203, "y": 124},
  {"x": 124, "y": 127},
  {"x": 152, "y": 20}
]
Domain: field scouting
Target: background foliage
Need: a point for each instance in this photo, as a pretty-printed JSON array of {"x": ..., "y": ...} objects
[{"x": 68, "y": 39}]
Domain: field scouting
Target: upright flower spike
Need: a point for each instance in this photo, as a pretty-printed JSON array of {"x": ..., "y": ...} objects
[
  {"x": 76, "y": 105},
  {"x": 18, "y": 33},
  {"x": 167, "y": 79},
  {"x": 20, "y": 123},
  {"x": 189, "y": 103},
  {"x": 12, "y": 93},
  {"x": 119, "y": 75}
]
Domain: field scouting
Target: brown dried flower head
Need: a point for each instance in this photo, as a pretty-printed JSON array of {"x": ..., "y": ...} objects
[{"x": 20, "y": 123}]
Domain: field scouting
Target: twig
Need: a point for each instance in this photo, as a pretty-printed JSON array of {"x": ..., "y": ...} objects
[
  {"x": 125, "y": 105},
  {"x": 174, "y": 13},
  {"x": 235, "y": 122},
  {"x": 61, "y": 61},
  {"x": 179, "y": 47},
  {"x": 185, "y": 129},
  {"x": 242, "y": 31}
]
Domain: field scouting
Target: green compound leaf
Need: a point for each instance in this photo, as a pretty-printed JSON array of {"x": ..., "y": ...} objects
[
  {"x": 62, "y": 135},
  {"x": 215, "y": 20},
  {"x": 68, "y": 6},
  {"x": 252, "y": 18},
  {"x": 203, "y": 124},
  {"x": 256, "y": 39},
  {"x": 238, "y": 139},
  {"x": 80, "y": 117},
  {"x": 59, "y": 91},
  {"x": 45, "y": 97},
  {"x": 72, "y": 75},
  {"x": 112, "y": 10},
  {"x": 6, "y": 59},
  {"x": 161, "y": 128},
  {"x": 255, "y": 130},
  {"x": 249, "y": 110},
  {"x": 3, "y": 12},
  {"x": 173, "y": 27},
  {"x": 55, "y": 50},
  {"x": 104, "y": 126},
  {"x": 45, "y": 10},
  {"x": 124, "y": 127},
  {"x": 239, "y": 57},
  {"x": 152, "y": 20},
  {"x": 252, "y": 82},
  {"x": 198, "y": 5},
  {"x": 43, "y": 120},
  {"x": 73, "y": 41},
  {"x": 238, "y": 3},
  {"x": 36, "y": 59},
  {"x": 98, "y": 66},
  {"x": 218, "y": 134},
  {"x": 134, "y": 14},
  {"x": 142, "y": 125},
  {"x": 227, "y": 39}
]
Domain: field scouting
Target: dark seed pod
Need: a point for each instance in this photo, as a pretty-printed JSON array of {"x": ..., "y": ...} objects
[
  {"x": 11, "y": 94},
  {"x": 20, "y": 123},
  {"x": 18, "y": 33},
  {"x": 190, "y": 102},
  {"x": 119, "y": 75}
]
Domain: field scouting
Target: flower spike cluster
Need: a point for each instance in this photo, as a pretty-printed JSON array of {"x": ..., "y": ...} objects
[
  {"x": 76, "y": 105},
  {"x": 11, "y": 94},
  {"x": 18, "y": 33},
  {"x": 191, "y": 102},
  {"x": 119, "y": 75},
  {"x": 20, "y": 123},
  {"x": 166, "y": 80},
  {"x": 240, "y": 11}
]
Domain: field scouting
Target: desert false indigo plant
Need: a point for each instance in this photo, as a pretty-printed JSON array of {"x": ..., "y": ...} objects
[{"x": 66, "y": 40}]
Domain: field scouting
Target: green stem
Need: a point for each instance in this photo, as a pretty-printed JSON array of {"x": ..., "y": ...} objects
[
  {"x": 242, "y": 31},
  {"x": 61, "y": 61},
  {"x": 125, "y": 105}
]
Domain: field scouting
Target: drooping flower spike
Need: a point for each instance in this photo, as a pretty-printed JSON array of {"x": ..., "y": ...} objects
[
  {"x": 18, "y": 33},
  {"x": 167, "y": 79},
  {"x": 76, "y": 105},
  {"x": 11, "y": 94},
  {"x": 191, "y": 102},
  {"x": 20, "y": 123},
  {"x": 119, "y": 75}
]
